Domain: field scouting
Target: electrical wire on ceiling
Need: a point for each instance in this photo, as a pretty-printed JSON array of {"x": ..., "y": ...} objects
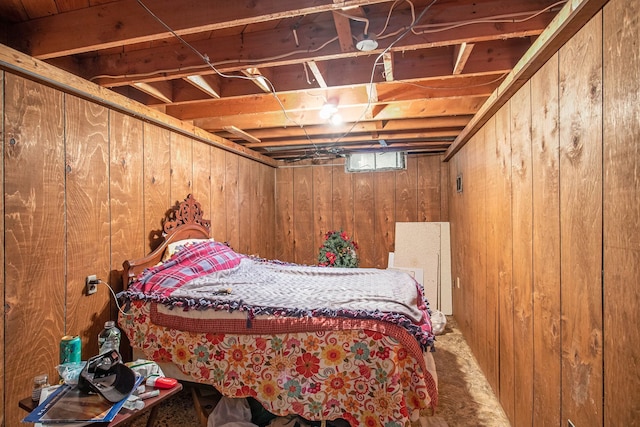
[
  {"x": 355, "y": 18},
  {"x": 497, "y": 79},
  {"x": 428, "y": 28},
  {"x": 414, "y": 24},
  {"x": 440, "y": 27},
  {"x": 496, "y": 19},
  {"x": 375, "y": 64},
  {"x": 206, "y": 60}
]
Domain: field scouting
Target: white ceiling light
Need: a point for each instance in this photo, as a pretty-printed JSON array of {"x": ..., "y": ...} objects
[
  {"x": 366, "y": 42},
  {"x": 336, "y": 119},
  {"x": 328, "y": 109}
]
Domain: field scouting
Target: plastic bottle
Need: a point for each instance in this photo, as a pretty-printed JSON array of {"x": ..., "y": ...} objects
[{"x": 109, "y": 337}]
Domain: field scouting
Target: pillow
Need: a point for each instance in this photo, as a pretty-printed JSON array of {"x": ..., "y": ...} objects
[{"x": 175, "y": 247}]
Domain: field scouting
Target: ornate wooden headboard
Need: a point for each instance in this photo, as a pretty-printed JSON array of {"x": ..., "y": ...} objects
[{"x": 182, "y": 222}]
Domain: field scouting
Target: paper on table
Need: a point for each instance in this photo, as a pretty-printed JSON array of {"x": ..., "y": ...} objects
[
  {"x": 68, "y": 405},
  {"x": 43, "y": 396}
]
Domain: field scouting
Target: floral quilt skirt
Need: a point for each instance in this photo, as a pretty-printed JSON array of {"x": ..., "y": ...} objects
[{"x": 361, "y": 375}]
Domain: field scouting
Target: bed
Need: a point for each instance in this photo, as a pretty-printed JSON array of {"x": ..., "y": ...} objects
[{"x": 324, "y": 343}]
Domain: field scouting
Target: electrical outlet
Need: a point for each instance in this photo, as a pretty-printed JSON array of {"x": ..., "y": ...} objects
[{"x": 91, "y": 283}]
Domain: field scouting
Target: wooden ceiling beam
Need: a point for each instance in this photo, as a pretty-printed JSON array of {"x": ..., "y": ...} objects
[
  {"x": 317, "y": 71},
  {"x": 461, "y": 56},
  {"x": 343, "y": 28},
  {"x": 257, "y": 78},
  {"x": 409, "y": 110},
  {"x": 387, "y": 59},
  {"x": 177, "y": 60},
  {"x": 432, "y": 123},
  {"x": 159, "y": 90},
  {"x": 330, "y": 150},
  {"x": 125, "y": 22},
  {"x": 355, "y": 137},
  {"x": 207, "y": 84},
  {"x": 313, "y": 99},
  {"x": 246, "y": 136}
]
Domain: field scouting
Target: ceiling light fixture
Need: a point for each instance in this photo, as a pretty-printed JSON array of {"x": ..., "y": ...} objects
[
  {"x": 366, "y": 43},
  {"x": 328, "y": 110},
  {"x": 336, "y": 119}
]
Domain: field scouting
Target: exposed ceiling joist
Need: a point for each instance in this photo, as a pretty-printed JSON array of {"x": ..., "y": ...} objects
[
  {"x": 461, "y": 56},
  {"x": 258, "y": 73},
  {"x": 242, "y": 134}
]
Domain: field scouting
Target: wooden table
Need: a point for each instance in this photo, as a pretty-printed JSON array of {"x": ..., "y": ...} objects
[{"x": 124, "y": 415}]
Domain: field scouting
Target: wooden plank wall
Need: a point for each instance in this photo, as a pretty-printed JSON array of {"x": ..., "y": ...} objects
[
  {"x": 87, "y": 187},
  {"x": 621, "y": 206},
  {"x": 558, "y": 246},
  {"x": 313, "y": 198},
  {"x": 545, "y": 153},
  {"x": 2, "y": 275},
  {"x": 34, "y": 239},
  {"x": 581, "y": 178}
]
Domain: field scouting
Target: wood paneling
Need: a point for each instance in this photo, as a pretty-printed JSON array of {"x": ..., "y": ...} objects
[
  {"x": 157, "y": 181},
  {"x": 305, "y": 250},
  {"x": 34, "y": 221},
  {"x": 342, "y": 200},
  {"x": 2, "y": 284},
  {"x": 284, "y": 223},
  {"x": 322, "y": 204},
  {"x": 85, "y": 187},
  {"x": 442, "y": 187},
  {"x": 504, "y": 261},
  {"x": 87, "y": 217},
  {"x": 201, "y": 180},
  {"x": 231, "y": 194},
  {"x": 581, "y": 224},
  {"x": 621, "y": 212},
  {"x": 550, "y": 173},
  {"x": 125, "y": 201},
  {"x": 266, "y": 210},
  {"x": 430, "y": 189},
  {"x": 365, "y": 205},
  {"x": 384, "y": 184},
  {"x": 493, "y": 218},
  {"x": 407, "y": 192},
  {"x": 475, "y": 181},
  {"x": 125, "y": 189},
  {"x": 546, "y": 245},
  {"x": 218, "y": 212},
  {"x": 181, "y": 167},
  {"x": 247, "y": 194},
  {"x": 521, "y": 202},
  {"x": 455, "y": 219}
]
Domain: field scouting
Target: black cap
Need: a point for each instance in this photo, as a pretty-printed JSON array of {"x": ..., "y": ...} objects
[{"x": 106, "y": 375}]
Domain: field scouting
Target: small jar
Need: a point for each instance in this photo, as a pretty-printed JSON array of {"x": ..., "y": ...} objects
[{"x": 39, "y": 382}]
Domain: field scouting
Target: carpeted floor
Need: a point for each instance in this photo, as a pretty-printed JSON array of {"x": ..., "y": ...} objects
[{"x": 466, "y": 399}]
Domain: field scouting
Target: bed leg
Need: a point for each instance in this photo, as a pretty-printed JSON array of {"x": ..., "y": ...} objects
[{"x": 202, "y": 416}]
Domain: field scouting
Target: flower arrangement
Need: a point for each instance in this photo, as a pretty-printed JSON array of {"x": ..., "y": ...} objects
[{"x": 338, "y": 250}]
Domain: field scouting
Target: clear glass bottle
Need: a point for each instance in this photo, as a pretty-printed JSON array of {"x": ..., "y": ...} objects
[{"x": 109, "y": 337}]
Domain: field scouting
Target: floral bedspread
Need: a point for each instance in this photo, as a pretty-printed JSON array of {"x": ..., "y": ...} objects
[{"x": 363, "y": 376}]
